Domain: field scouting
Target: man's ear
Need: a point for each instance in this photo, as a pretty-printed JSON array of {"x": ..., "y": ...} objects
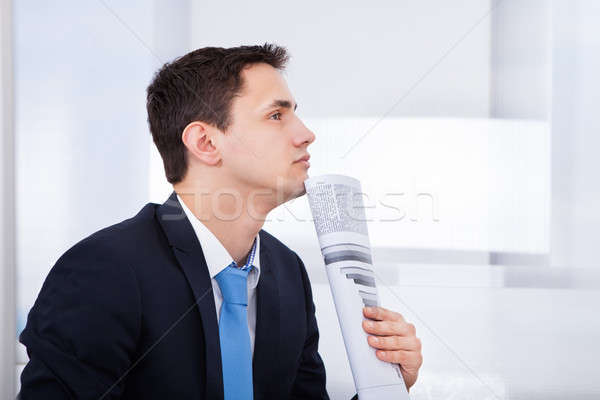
[{"x": 199, "y": 138}]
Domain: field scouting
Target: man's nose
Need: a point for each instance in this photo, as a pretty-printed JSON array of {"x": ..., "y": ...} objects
[{"x": 304, "y": 135}]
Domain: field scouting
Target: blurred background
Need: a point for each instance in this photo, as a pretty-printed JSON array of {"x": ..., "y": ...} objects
[{"x": 472, "y": 125}]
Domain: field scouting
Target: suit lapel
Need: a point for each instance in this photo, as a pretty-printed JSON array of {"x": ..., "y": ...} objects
[
  {"x": 267, "y": 340},
  {"x": 188, "y": 252}
]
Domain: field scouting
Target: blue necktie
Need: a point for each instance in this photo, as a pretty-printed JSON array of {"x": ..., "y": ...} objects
[{"x": 236, "y": 354}]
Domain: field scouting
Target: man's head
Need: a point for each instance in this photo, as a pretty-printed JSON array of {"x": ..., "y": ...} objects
[{"x": 227, "y": 116}]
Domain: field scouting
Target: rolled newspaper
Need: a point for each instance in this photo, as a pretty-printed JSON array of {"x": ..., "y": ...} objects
[{"x": 339, "y": 216}]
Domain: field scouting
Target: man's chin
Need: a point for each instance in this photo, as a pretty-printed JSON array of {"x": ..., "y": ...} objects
[
  {"x": 301, "y": 192},
  {"x": 295, "y": 191}
]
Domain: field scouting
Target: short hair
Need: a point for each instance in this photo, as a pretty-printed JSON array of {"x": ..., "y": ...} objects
[{"x": 199, "y": 86}]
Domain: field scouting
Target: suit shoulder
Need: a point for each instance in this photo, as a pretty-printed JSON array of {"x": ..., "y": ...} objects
[
  {"x": 115, "y": 241},
  {"x": 274, "y": 244}
]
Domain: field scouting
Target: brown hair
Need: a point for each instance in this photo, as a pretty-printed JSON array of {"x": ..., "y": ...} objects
[{"x": 199, "y": 86}]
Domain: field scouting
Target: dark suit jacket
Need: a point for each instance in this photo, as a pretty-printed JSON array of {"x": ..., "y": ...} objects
[{"x": 129, "y": 313}]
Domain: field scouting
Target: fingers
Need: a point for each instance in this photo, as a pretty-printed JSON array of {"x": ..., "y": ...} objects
[
  {"x": 409, "y": 360},
  {"x": 382, "y": 314},
  {"x": 386, "y": 328},
  {"x": 406, "y": 343},
  {"x": 394, "y": 340}
]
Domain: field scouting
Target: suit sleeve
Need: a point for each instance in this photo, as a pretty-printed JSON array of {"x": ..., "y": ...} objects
[
  {"x": 310, "y": 380},
  {"x": 82, "y": 331}
]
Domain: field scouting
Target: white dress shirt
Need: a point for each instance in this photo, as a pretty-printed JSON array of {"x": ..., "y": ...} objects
[{"x": 217, "y": 258}]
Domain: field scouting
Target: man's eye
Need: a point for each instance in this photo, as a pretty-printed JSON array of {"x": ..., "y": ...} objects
[{"x": 277, "y": 116}]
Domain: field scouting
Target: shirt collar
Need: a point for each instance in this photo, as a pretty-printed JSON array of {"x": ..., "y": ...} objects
[{"x": 216, "y": 256}]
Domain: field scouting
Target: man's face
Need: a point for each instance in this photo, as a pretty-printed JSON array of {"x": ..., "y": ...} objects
[{"x": 265, "y": 139}]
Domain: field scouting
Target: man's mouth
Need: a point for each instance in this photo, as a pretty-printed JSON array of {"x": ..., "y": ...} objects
[{"x": 304, "y": 160}]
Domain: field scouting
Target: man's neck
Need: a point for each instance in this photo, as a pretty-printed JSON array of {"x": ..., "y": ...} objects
[{"x": 228, "y": 219}]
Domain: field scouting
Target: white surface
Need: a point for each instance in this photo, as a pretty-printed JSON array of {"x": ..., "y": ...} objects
[{"x": 481, "y": 340}]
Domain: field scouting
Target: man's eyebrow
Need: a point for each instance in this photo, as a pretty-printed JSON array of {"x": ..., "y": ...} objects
[{"x": 281, "y": 103}]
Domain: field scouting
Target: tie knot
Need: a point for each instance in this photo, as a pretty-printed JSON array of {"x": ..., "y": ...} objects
[{"x": 232, "y": 282}]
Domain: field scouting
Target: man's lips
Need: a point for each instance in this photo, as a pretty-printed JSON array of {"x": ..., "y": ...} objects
[{"x": 304, "y": 160}]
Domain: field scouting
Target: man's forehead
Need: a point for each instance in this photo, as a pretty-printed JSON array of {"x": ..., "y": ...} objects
[{"x": 263, "y": 84}]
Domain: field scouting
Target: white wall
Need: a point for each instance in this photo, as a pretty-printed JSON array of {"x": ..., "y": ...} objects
[
  {"x": 357, "y": 59},
  {"x": 575, "y": 134},
  {"x": 7, "y": 206},
  {"x": 521, "y": 59},
  {"x": 82, "y": 136},
  {"x": 170, "y": 28}
]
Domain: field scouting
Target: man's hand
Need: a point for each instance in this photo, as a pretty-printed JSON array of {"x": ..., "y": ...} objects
[{"x": 395, "y": 340}]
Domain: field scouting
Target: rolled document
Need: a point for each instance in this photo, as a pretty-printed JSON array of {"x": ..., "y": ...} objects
[{"x": 339, "y": 216}]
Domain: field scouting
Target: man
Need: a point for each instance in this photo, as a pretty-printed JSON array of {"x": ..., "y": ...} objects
[{"x": 191, "y": 299}]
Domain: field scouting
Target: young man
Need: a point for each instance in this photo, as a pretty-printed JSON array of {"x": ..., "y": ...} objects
[{"x": 191, "y": 299}]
